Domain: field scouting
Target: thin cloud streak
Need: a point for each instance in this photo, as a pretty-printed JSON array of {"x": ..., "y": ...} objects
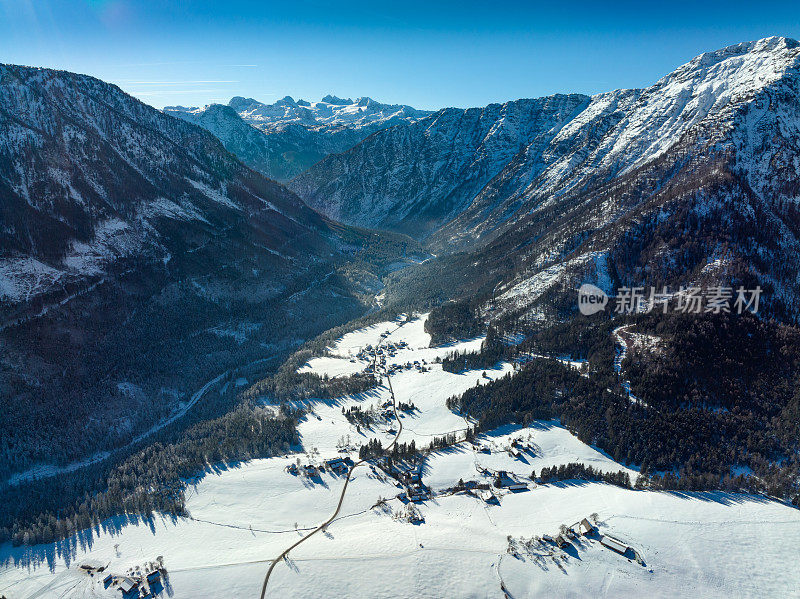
[
  {"x": 136, "y": 82},
  {"x": 174, "y": 92}
]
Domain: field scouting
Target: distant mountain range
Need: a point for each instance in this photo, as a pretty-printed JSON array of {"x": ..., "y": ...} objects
[{"x": 283, "y": 139}]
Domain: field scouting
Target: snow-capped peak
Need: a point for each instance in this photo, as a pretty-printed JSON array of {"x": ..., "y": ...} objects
[{"x": 331, "y": 99}]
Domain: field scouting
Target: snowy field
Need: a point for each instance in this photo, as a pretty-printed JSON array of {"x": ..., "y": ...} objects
[{"x": 243, "y": 516}]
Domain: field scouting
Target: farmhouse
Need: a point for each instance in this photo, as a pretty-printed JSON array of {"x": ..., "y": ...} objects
[
  {"x": 129, "y": 588},
  {"x": 416, "y": 493},
  {"x": 586, "y": 527},
  {"x": 489, "y": 497},
  {"x": 410, "y": 477},
  {"x": 153, "y": 576},
  {"x": 504, "y": 481},
  {"x": 337, "y": 464}
]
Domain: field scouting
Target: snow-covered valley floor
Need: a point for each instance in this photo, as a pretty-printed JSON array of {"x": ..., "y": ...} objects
[{"x": 242, "y": 517}]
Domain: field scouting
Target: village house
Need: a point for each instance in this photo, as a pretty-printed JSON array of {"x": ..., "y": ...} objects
[
  {"x": 416, "y": 493},
  {"x": 504, "y": 481},
  {"x": 410, "y": 477},
  {"x": 129, "y": 588},
  {"x": 489, "y": 497},
  {"x": 153, "y": 576},
  {"x": 338, "y": 464},
  {"x": 586, "y": 527}
]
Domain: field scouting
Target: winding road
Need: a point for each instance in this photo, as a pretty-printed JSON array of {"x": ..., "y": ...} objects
[{"x": 349, "y": 473}]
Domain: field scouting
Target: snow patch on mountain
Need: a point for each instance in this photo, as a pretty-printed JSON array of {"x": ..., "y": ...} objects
[{"x": 23, "y": 278}]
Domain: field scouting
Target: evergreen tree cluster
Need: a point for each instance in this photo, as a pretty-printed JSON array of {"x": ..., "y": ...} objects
[{"x": 580, "y": 471}]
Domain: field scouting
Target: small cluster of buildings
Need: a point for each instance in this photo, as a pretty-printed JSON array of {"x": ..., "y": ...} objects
[
  {"x": 142, "y": 587},
  {"x": 518, "y": 447},
  {"x": 377, "y": 358},
  {"x": 338, "y": 465},
  {"x": 410, "y": 478},
  {"x": 584, "y": 528}
]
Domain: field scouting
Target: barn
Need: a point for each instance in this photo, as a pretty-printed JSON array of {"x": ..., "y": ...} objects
[{"x": 614, "y": 544}]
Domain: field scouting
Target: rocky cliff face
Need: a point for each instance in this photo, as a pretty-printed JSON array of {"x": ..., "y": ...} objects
[{"x": 416, "y": 178}]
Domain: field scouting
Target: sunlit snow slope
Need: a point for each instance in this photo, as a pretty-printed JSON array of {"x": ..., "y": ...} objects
[{"x": 691, "y": 544}]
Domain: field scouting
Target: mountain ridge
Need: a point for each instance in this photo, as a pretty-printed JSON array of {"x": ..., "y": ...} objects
[
  {"x": 138, "y": 260},
  {"x": 614, "y": 133},
  {"x": 293, "y": 135}
]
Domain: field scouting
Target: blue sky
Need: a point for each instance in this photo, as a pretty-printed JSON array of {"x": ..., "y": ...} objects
[{"x": 427, "y": 54}]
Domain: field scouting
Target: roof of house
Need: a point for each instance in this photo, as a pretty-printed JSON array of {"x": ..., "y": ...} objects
[{"x": 614, "y": 544}]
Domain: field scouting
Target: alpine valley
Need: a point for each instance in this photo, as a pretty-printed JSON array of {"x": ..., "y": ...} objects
[{"x": 335, "y": 348}]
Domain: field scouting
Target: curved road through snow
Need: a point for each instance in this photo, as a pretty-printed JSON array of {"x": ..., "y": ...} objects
[{"x": 347, "y": 480}]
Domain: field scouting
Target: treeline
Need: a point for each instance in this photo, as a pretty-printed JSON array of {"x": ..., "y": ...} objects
[
  {"x": 580, "y": 471},
  {"x": 453, "y": 321},
  {"x": 372, "y": 449},
  {"x": 151, "y": 480},
  {"x": 290, "y": 385},
  {"x": 492, "y": 351},
  {"x": 722, "y": 395},
  {"x": 355, "y": 415}
]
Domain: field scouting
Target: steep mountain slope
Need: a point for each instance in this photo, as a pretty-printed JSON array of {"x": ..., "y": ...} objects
[
  {"x": 283, "y": 139},
  {"x": 692, "y": 183},
  {"x": 734, "y": 102},
  {"x": 415, "y": 178},
  {"x": 739, "y": 102},
  {"x": 138, "y": 260},
  {"x": 716, "y": 202}
]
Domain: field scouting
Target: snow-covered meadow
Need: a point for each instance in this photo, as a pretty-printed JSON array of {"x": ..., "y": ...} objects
[{"x": 243, "y": 516}]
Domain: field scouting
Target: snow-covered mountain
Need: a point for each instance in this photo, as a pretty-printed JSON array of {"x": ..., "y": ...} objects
[
  {"x": 418, "y": 177},
  {"x": 738, "y": 103},
  {"x": 735, "y": 101},
  {"x": 91, "y": 176},
  {"x": 328, "y": 114},
  {"x": 693, "y": 178},
  {"x": 283, "y": 139},
  {"x": 138, "y": 259}
]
